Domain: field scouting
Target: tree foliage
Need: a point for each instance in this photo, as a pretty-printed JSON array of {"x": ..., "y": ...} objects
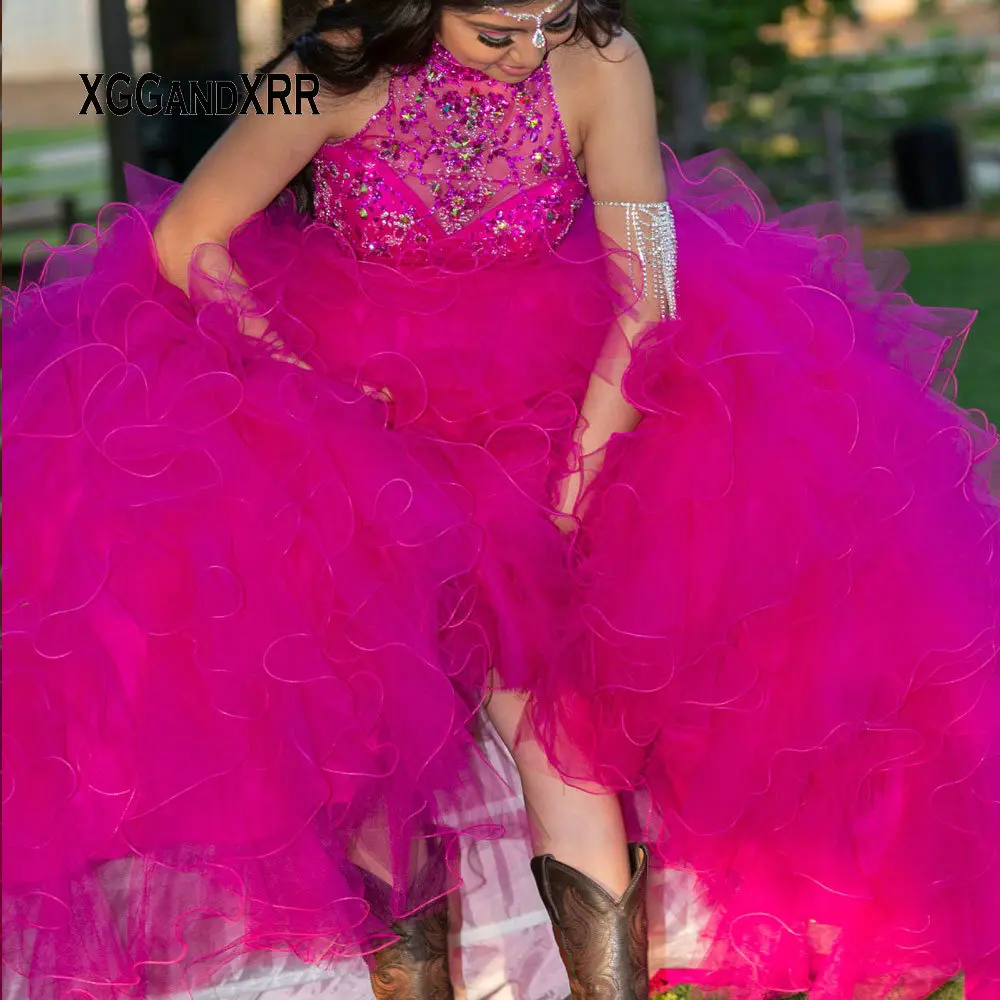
[
  {"x": 722, "y": 29},
  {"x": 816, "y": 127},
  {"x": 695, "y": 46}
]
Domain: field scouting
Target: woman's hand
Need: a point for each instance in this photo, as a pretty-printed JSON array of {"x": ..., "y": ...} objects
[
  {"x": 217, "y": 278},
  {"x": 258, "y": 328}
]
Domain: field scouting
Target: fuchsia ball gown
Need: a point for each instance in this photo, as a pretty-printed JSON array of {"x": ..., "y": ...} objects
[{"x": 252, "y": 609}]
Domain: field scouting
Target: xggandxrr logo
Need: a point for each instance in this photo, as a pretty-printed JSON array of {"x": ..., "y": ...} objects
[{"x": 150, "y": 96}]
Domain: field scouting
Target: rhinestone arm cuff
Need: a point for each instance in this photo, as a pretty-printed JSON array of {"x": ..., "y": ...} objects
[{"x": 652, "y": 239}]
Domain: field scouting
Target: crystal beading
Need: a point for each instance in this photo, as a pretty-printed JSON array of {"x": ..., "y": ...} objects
[{"x": 454, "y": 156}]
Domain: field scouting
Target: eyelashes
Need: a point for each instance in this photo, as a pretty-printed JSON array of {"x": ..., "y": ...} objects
[
  {"x": 564, "y": 24},
  {"x": 496, "y": 43},
  {"x": 501, "y": 43}
]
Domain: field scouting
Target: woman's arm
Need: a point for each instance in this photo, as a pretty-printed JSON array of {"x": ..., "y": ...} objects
[
  {"x": 622, "y": 158},
  {"x": 250, "y": 164}
]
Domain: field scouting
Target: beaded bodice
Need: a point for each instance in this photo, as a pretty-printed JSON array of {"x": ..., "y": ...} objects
[{"x": 454, "y": 158}]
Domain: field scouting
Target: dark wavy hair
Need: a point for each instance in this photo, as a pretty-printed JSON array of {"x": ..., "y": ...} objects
[{"x": 392, "y": 35}]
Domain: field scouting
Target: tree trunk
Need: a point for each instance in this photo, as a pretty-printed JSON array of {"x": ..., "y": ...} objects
[
  {"x": 836, "y": 154},
  {"x": 191, "y": 37},
  {"x": 124, "y": 143},
  {"x": 688, "y": 81},
  {"x": 189, "y": 40}
]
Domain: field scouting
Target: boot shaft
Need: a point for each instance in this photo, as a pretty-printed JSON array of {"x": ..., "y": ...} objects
[
  {"x": 416, "y": 966},
  {"x": 603, "y": 941}
]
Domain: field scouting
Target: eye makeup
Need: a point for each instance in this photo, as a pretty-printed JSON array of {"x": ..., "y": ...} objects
[{"x": 558, "y": 26}]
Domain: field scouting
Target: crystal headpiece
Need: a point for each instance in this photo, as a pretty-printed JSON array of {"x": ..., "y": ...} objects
[{"x": 538, "y": 38}]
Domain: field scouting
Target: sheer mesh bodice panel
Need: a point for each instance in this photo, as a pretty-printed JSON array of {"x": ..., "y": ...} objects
[{"x": 454, "y": 157}]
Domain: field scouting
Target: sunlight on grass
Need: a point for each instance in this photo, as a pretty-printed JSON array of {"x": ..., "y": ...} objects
[
  {"x": 32, "y": 138},
  {"x": 965, "y": 275},
  {"x": 950, "y": 991}
]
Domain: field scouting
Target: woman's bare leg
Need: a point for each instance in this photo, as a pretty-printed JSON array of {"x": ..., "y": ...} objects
[{"x": 579, "y": 828}]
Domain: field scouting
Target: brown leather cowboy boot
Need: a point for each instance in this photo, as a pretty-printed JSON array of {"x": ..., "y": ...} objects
[
  {"x": 416, "y": 966},
  {"x": 603, "y": 942}
]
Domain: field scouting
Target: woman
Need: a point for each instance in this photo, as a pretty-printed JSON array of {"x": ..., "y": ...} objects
[{"x": 671, "y": 491}]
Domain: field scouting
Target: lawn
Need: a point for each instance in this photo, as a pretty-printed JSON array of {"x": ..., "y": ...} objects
[
  {"x": 45, "y": 163},
  {"x": 950, "y": 991},
  {"x": 16, "y": 140},
  {"x": 966, "y": 275}
]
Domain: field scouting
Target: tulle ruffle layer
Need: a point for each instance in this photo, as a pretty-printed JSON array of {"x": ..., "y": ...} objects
[
  {"x": 252, "y": 609},
  {"x": 788, "y": 587}
]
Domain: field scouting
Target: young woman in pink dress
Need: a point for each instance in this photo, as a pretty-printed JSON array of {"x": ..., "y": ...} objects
[{"x": 508, "y": 417}]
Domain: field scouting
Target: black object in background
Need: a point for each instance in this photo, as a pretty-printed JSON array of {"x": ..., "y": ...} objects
[
  {"x": 189, "y": 41},
  {"x": 930, "y": 174},
  {"x": 172, "y": 144}
]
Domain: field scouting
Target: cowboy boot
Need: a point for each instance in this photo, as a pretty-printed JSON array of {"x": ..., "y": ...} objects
[
  {"x": 416, "y": 966},
  {"x": 602, "y": 941}
]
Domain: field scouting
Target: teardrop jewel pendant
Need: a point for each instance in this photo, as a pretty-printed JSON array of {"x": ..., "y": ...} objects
[{"x": 538, "y": 38}]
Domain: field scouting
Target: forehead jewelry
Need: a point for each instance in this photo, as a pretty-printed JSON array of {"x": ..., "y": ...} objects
[{"x": 538, "y": 38}]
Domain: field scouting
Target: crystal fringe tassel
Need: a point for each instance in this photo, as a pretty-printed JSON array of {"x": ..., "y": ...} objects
[{"x": 652, "y": 238}]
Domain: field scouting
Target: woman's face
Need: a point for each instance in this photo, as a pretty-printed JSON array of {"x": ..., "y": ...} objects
[{"x": 501, "y": 45}]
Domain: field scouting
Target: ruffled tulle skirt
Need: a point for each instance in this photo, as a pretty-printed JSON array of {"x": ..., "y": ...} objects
[{"x": 253, "y": 608}]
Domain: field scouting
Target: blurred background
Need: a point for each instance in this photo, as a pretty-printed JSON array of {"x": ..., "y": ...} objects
[{"x": 891, "y": 107}]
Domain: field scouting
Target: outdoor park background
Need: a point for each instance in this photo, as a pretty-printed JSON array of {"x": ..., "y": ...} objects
[{"x": 809, "y": 93}]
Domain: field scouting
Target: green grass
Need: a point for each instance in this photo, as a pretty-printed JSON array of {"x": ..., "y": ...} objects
[
  {"x": 33, "y": 138},
  {"x": 950, "y": 991},
  {"x": 35, "y": 165},
  {"x": 14, "y": 244},
  {"x": 966, "y": 275}
]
